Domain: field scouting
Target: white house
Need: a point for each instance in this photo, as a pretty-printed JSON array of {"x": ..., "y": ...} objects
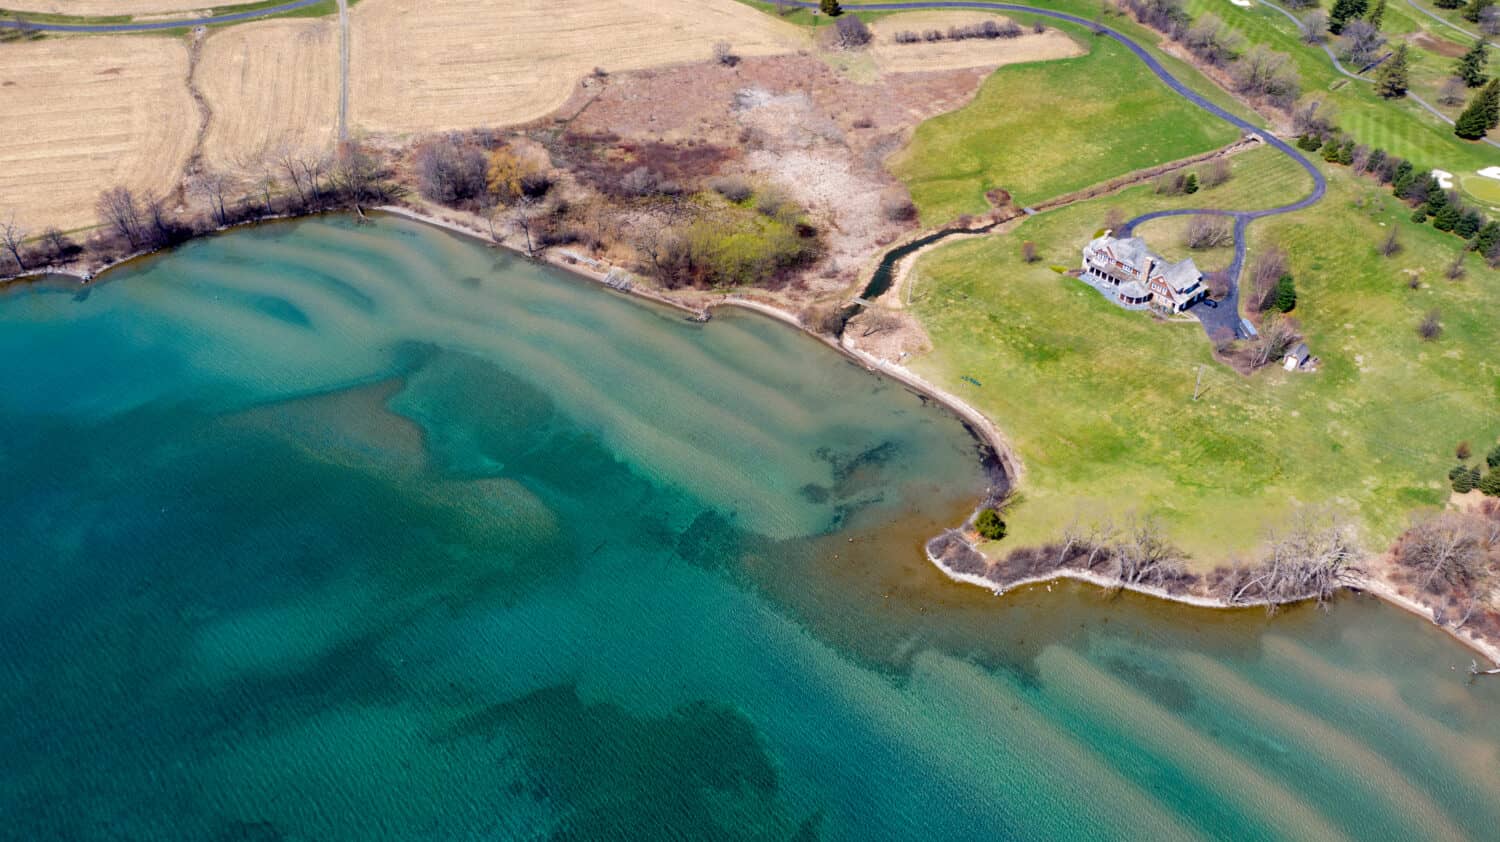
[{"x": 1136, "y": 277}]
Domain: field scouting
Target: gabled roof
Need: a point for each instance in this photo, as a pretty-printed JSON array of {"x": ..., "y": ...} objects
[{"x": 1181, "y": 276}]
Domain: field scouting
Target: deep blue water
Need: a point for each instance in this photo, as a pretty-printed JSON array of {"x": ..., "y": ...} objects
[{"x": 326, "y": 532}]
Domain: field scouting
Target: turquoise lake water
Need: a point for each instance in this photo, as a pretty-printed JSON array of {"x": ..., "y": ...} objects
[{"x": 330, "y": 532}]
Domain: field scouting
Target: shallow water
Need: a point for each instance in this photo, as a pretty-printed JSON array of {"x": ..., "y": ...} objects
[{"x": 326, "y": 532}]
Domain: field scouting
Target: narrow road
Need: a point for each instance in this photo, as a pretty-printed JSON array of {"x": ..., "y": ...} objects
[
  {"x": 161, "y": 24},
  {"x": 1227, "y": 314}
]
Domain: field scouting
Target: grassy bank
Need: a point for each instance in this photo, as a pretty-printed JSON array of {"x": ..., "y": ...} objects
[
  {"x": 1038, "y": 130},
  {"x": 1098, "y": 401}
]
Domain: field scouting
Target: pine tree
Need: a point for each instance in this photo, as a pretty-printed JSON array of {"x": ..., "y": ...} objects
[
  {"x": 1490, "y": 102},
  {"x": 830, "y": 8},
  {"x": 1377, "y": 13},
  {"x": 1493, "y": 457},
  {"x": 1286, "y": 294},
  {"x": 1447, "y": 218},
  {"x": 1345, "y": 11},
  {"x": 1464, "y": 482},
  {"x": 1402, "y": 178},
  {"x": 1490, "y": 485},
  {"x": 1394, "y": 76},
  {"x": 1190, "y": 184},
  {"x": 1488, "y": 236},
  {"x": 1475, "y": 10},
  {"x": 1475, "y": 121},
  {"x": 1437, "y": 199},
  {"x": 1469, "y": 223},
  {"x": 1470, "y": 66}
]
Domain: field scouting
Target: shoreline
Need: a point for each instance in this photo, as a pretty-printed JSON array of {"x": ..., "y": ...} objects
[
  {"x": 989, "y": 436},
  {"x": 1377, "y": 588}
]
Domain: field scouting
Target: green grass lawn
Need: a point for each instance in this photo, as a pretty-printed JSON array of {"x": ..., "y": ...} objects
[
  {"x": 1098, "y": 401},
  {"x": 1038, "y": 130}
]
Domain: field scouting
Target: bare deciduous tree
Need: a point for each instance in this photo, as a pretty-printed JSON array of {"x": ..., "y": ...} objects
[
  {"x": 1315, "y": 27},
  {"x": 214, "y": 187},
  {"x": 878, "y": 321},
  {"x": 1145, "y": 556},
  {"x": 1444, "y": 550},
  {"x": 1313, "y": 559},
  {"x": 1270, "y": 266},
  {"x": 1028, "y": 252},
  {"x": 12, "y": 235},
  {"x": 1205, "y": 231},
  {"x": 1276, "y": 336},
  {"x": 1390, "y": 245},
  {"x": 1453, "y": 92},
  {"x": 119, "y": 211}
]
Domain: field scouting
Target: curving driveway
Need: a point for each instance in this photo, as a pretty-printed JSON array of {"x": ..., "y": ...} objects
[{"x": 155, "y": 25}]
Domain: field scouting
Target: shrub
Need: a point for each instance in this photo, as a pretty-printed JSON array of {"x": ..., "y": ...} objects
[
  {"x": 830, "y": 8},
  {"x": 1028, "y": 252},
  {"x": 1431, "y": 326},
  {"x": 731, "y": 187},
  {"x": 1462, "y": 452},
  {"x": 1216, "y": 173},
  {"x": 724, "y": 54},
  {"x": 1309, "y": 143},
  {"x": 989, "y": 525},
  {"x": 451, "y": 171},
  {"x": 1493, "y": 457},
  {"x": 1419, "y": 216},
  {"x": 852, "y": 32},
  {"x": 1490, "y": 485}
]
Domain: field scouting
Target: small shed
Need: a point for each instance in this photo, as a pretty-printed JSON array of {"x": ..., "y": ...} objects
[{"x": 1296, "y": 357}]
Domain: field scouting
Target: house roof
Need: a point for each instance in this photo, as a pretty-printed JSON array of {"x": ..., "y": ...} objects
[
  {"x": 1301, "y": 352},
  {"x": 1181, "y": 276},
  {"x": 1132, "y": 289}
]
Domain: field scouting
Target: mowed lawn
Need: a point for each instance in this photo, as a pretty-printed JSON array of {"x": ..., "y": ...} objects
[
  {"x": 1039, "y": 130},
  {"x": 1099, "y": 401}
]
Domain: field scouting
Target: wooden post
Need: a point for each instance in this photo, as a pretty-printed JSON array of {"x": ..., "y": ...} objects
[{"x": 1198, "y": 384}]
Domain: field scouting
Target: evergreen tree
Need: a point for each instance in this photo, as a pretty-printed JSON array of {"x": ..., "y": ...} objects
[
  {"x": 1493, "y": 457},
  {"x": 989, "y": 525},
  {"x": 1490, "y": 102},
  {"x": 1448, "y": 4},
  {"x": 1457, "y": 471},
  {"x": 1447, "y": 218},
  {"x": 1286, "y": 294},
  {"x": 1475, "y": 121},
  {"x": 1377, "y": 13},
  {"x": 1190, "y": 184},
  {"x": 1345, "y": 11},
  {"x": 830, "y": 8},
  {"x": 1470, "y": 66},
  {"x": 1437, "y": 199},
  {"x": 1475, "y": 10},
  {"x": 1402, "y": 178},
  {"x": 1490, "y": 485},
  {"x": 1393, "y": 77},
  {"x": 1488, "y": 236},
  {"x": 1464, "y": 482},
  {"x": 1469, "y": 223}
]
